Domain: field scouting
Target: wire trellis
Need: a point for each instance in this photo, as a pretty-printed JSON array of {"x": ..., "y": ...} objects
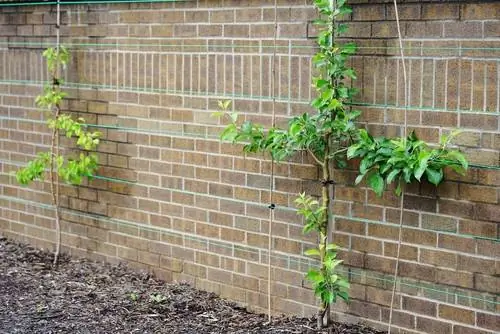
[
  {"x": 259, "y": 256},
  {"x": 477, "y": 66}
]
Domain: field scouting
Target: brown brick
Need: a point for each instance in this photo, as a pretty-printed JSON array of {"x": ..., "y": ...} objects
[
  {"x": 456, "y": 278},
  {"x": 419, "y": 306},
  {"x": 476, "y": 265},
  {"x": 366, "y": 245},
  {"x": 433, "y": 326},
  {"x": 195, "y": 270},
  {"x": 477, "y": 228},
  {"x": 380, "y": 264},
  {"x": 424, "y": 29},
  {"x": 487, "y": 212},
  {"x": 381, "y": 231},
  {"x": 369, "y": 13},
  {"x": 380, "y": 296},
  {"x": 438, "y": 258},
  {"x": 402, "y": 319},
  {"x": 456, "y": 243},
  {"x": 456, "y": 314},
  {"x": 420, "y": 203},
  {"x": 406, "y": 11},
  {"x": 218, "y": 275},
  {"x": 287, "y": 246},
  {"x": 148, "y": 258},
  {"x": 488, "y": 321},
  {"x": 406, "y": 252},
  {"x": 478, "y": 193},
  {"x": 481, "y": 11},
  {"x": 364, "y": 309},
  {"x": 487, "y": 283},
  {"x": 413, "y": 270},
  {"x": 219, "y": 16},
  {"x": 456, "y": 208},
  {"x": 457, "y": 329},
  {"x": 446, "y": 11},
  {"x": 414, "y": 236}
]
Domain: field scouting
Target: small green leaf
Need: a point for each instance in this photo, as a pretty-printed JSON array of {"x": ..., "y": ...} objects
[
  {"x": 234, "y": 116},
  {"x": 376, "y": 182},
  {"x": 314, "y": 276},
  {"x": 434, "y": 176},
  {"x": 359, "y": 178},
  {"x": 312, "y": 252},
  {"x": 344, "y": 295}
]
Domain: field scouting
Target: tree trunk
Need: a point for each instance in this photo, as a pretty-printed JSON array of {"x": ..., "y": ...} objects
[
  {"x": 54, "y": 185},
  {"x": 324, "y": 311}
]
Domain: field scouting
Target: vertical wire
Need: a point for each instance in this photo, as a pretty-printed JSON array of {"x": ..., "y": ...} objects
[
  {"x": 401, "y": 204},
  {"x": 56, "y": 133},
  {"x": 271, "y": 181}
]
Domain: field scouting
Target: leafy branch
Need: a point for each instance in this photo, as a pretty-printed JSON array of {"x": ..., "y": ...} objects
[{"x": 403, "y": 160}]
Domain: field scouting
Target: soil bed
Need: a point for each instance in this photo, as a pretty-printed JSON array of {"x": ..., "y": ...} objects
[{"x": 82, "y": 296}]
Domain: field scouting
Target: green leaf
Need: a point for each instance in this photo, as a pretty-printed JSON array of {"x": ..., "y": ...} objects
[
  {"x": 312, "y": 252},
  {"x": 331, "y": 247},
  {"x": 365, "y": 165},
  {"x": 392, "y": 175},
  {"x": 343, "y": 283},
  {"x": 376, "y": 182},
  {"x": 423, "y": 162},
  {"x": 459, "y": 157},
  {"x": 359, "y": 178},
  {"x": 434, "y": 176},
  {"x": 314, "y": 276},
  {"x": 234, "y": 116},
  {"x": 344, "y": 295},
  {"x": 398, "y": 191}
]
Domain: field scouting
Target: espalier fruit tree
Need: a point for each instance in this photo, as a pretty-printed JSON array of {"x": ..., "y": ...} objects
[
  {"x": 69, "y": 168},
  {"x": 330, "y": 136}
]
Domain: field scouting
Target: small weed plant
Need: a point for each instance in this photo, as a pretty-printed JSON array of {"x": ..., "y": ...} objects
[
  {"x": 69, "y": 168},
  {"x": 157, "y": 298}
]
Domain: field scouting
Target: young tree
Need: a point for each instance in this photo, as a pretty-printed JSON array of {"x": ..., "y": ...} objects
[
  {"x": 325, "y": 135},
  {"x": 71, "y": 169}
]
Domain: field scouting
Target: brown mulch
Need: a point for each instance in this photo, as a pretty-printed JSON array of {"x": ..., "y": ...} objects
[{"x": 82, "y": 296}]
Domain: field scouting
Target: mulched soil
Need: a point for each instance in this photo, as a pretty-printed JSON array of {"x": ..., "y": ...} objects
[{"x": 82, "y": 296}]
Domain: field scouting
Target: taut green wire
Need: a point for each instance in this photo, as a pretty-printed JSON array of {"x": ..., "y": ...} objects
[
  {"x": 220, "y": 243},
  {"x": 242, "y": 96},
  {"x": 82, "y": 2},
  {"x": 307, "y": 47},
  {"x": 177, "y": 134},
  {"x": 376, "y": 222},
  {"x": 284, "y": 208}
]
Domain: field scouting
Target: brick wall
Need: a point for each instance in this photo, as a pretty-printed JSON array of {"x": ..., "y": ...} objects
[{"x": 173, "y": 199}]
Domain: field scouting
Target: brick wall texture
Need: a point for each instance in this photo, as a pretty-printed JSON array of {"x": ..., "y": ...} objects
[{"x": 172, "y": 199}]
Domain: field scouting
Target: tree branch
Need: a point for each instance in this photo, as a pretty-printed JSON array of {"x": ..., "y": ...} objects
[{"x": 321, "y": 163}]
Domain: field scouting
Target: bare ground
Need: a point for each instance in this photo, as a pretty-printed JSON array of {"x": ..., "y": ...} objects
[{"x": 82, "y": 296}]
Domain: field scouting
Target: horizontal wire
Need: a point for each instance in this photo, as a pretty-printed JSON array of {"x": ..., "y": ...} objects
[
  {"x": 291, "y": 209},
  {"x": 233, "y": 45},
  {"x": 191, "y": 93},
  {"x": 81, "y": 2},
  {"x": 376, "y": 222},
  {"x": 180, "y": 134},
  {"x": 289, "y": 259}
]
